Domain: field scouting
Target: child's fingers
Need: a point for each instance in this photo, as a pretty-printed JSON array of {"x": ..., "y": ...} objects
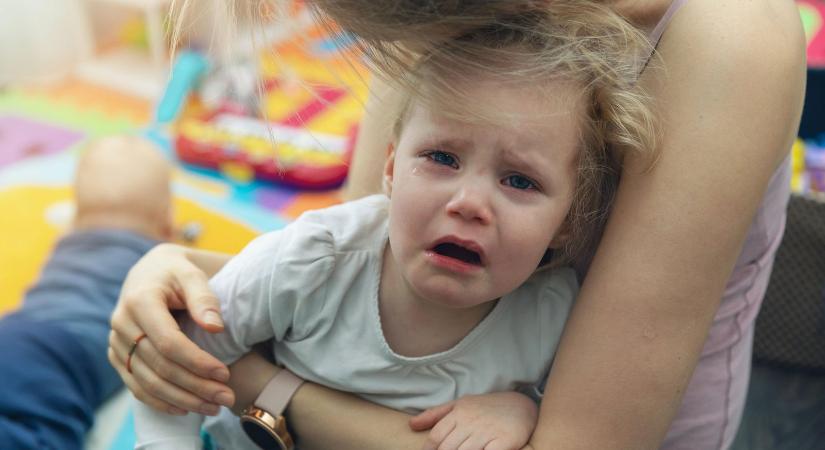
[
  {"x": 455, "y": 439},
  {"x": 500, "y": 444},
  {"x": 477, "y": 441},
  {"x": 427, "y": 419},
  {"x": 439, "y": 432}
]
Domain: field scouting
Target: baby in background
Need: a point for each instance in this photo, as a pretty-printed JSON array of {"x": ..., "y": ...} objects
[
  {"x": 454, "y": 282},
  {"x": 55, "y": 373}
]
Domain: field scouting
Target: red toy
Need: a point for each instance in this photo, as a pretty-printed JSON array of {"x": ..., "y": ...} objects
[{"x": 245, "y": 147}]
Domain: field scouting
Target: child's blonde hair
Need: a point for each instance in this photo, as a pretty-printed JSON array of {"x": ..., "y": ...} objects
[
  {"x": 427, "y": 48},
  {"x": 565, "y": 40}
]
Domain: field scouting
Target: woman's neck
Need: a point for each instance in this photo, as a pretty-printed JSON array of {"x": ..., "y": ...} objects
[{"x": 415, "y": 326}]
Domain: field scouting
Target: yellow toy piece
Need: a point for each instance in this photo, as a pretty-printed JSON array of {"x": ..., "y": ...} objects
[{"x": 798, "y": 166}]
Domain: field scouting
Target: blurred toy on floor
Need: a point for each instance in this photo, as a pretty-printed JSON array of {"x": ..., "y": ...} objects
[
  {"x": 285, "y": 113},
  {"x": 809, "y": 166}
]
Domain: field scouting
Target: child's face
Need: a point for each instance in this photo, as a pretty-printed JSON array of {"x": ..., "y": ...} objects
[{"x": 474, "y": 207}]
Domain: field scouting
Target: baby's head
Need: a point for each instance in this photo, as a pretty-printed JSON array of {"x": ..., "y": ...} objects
[
  {"x": 508, "y": 143},
  {"x": 569, "y": 69},
  {"x": 122, "y": 182}
]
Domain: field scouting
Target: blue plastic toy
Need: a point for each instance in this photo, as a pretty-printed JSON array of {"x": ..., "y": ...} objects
[{"x": 189, "y": 68}]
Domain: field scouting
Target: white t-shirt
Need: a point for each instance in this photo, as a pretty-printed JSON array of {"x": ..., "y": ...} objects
[{"x": 313, "y": 287}]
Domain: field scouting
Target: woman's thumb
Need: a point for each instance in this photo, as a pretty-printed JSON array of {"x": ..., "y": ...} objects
[
  {"x": 209, "y": 316},
  {"x": 203, "y": 305}
]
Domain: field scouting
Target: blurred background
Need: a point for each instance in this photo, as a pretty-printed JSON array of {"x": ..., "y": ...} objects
[{"x": 260, "y": 129}]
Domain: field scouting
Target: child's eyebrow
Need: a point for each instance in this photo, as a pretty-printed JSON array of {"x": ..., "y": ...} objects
[
  {"x": 449, "y": 143},
  {"x": 525, "y": 162}
]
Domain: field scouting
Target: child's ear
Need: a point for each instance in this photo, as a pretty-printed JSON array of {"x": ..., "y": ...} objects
[{"x": 389, "y": 167}]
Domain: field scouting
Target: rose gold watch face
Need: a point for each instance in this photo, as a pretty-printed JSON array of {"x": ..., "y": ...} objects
[{"x": 266, "y": 431}]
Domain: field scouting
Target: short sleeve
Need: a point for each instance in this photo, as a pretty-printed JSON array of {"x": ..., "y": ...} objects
[
  {"x": 261, "y": 288},
  {"x": 556, "y": 293}
]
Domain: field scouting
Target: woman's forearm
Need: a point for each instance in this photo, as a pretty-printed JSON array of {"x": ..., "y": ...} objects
[
  {"x": 248, "y": 377},
  {"x": 323, "y": 418}
]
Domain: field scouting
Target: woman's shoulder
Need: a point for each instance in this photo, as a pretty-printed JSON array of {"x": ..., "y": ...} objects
[
  {"x": 731, "y": 33},
  {"x": 734, "y": 69}
]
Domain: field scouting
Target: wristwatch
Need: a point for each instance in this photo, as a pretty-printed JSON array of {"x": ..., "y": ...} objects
[{"x": 264, "y": 421}]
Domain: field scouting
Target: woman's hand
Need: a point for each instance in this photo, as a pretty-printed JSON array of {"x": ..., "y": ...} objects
[
  {"x": 498, "y": 421},
  {"x": 168, "y": 371}
]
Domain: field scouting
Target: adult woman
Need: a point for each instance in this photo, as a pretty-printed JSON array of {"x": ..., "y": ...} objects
[{"x": 676, "y": 281}]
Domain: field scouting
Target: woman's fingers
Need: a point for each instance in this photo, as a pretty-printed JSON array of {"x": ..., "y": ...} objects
[
  {"x": 161, "y": 383},
  {"x": 203, "y": 390},
  {"x": 137, "y": 390},
  {"x": 151, "y": 315},
  {"x": 167, "y": 369},
  {"x": 139, "y": 393},
  {"x": 158, "y": 388}
]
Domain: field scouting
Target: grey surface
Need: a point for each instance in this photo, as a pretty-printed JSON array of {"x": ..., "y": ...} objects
[{"x": 785, "y": 410}]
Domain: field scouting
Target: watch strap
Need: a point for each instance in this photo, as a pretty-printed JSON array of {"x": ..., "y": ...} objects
[{"x": 278, "y": 392}]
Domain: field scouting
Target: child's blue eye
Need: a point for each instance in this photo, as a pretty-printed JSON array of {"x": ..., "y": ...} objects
[
  {"x": 443, "y": 158},
  {"x": 519, "y": 182}
]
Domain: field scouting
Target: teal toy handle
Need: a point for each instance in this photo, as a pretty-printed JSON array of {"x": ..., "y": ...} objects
[{"x": 188, "y": 69}]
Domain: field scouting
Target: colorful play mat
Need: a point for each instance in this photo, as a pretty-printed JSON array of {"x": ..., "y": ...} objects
[{"x": 43, "y": 129}]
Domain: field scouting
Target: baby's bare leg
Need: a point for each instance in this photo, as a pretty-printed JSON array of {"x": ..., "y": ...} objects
[{"x": 123, "y": 182}]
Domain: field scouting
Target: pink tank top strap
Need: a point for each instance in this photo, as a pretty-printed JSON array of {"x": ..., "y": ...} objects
[{"x": 657, "y": 32}]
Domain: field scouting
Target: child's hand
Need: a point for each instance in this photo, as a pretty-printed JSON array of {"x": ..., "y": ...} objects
[{"x": 499, "y": 421}]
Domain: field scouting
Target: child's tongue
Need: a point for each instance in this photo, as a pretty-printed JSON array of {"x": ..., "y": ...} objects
[{"x": 458, "y": 252}]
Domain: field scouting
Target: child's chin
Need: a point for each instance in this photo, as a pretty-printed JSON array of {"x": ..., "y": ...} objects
[{"x": 461, "y": 298}]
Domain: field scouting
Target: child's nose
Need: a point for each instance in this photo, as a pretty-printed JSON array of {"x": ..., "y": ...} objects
[{"x": 471, "y": 202}]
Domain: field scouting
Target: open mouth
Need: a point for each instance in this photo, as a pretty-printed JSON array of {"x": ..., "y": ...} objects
[{"x": 458, "y": 252}]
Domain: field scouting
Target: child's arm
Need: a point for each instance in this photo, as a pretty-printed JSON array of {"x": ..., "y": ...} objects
[
  {"x": 155, "y": 430},
  {"x": 499, "y": 421}
]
